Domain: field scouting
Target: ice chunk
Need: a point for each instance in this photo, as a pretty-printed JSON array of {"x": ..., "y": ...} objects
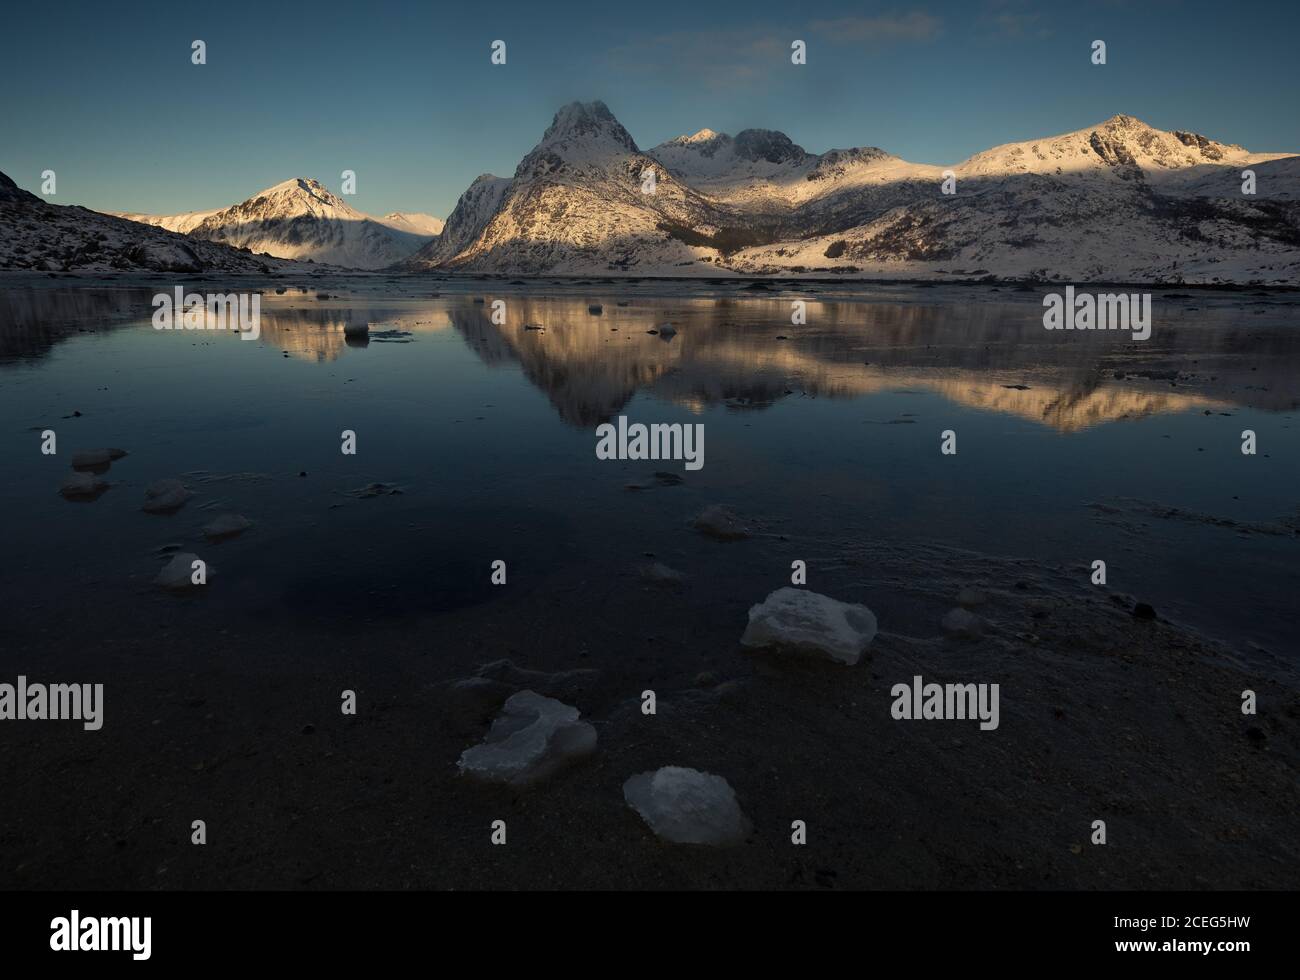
[
  {"x": 718, "y": 522},
  {"x": 165, "y": 496},
  {"x": 532, "y": 738},
  {"x": 687, "y": 806},
  {"x": 661, "y": 574},
  {"x": 808, "y": 622}
]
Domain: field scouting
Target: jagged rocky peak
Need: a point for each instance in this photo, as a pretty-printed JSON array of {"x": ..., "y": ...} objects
[
  {"x": 1122, "y": 123},
  {"x": 767, "y": 145},
  {"x": 586, "y": 121},
  {"x": 1124, "y": 140},
  {"x": 303, "y": 187}
]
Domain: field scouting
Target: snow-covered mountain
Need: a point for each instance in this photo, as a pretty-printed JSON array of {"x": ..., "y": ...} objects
[
  {"x": 38, "y": 236},
  {"x": 1119, "y": 200},
  {"x": 575, "y": 203},
  {"x": 301, "y": 219},
  {"x": 414, "y": 222}
]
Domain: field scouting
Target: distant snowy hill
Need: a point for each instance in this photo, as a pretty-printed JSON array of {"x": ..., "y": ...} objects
[
  {"x": 1120, "y": 200},
  {"x": 38, "y": 236},
  {"x": 413, "y": 222},
  {"x": 301, "y": 219}
]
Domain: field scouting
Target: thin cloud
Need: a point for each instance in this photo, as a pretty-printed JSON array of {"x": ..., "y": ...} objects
[
  {"x": 916, "y": 26},
  {"x": 721, "y": 59}
]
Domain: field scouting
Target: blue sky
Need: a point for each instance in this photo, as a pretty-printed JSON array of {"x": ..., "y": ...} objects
[{"x": 404, "y": 94}]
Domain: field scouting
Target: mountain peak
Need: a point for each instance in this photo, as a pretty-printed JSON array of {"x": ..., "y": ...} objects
[
  {"x": 299, "y": 186},
  {"x": 1122, "y": 121},
  {"x": 768, "y": 145},
  {"x": 588, "y": 120}
]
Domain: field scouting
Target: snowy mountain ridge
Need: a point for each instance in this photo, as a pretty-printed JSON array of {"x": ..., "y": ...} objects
[
  {"x": 1120, "y": 200},
  {"x": 302, "y": 219}
]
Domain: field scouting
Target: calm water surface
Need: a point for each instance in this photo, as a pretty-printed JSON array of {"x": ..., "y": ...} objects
[{"x": 1071, "y": 447}]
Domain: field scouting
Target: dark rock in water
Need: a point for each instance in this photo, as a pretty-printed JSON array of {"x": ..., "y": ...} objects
[
  {"x": 178, "y": 574},
  {"x": 96, "y": 460},
  {"x": 666, "y": 479},
  {"x": 322, "y": 295},
  {"x": 624, "y": 303},
  {"x": 533, "y": 326},
  {"x": 479, "y": 300},
  {"x": 595, "y": 309},
  {"x": 782, "y": 336},
  {"x": 1144, "y": 611},
  {"x": 165, "y": 497},
  {"x": 226, "y": 526},
  {"x": 376, "y": 490},
  {"x": 758, "y": 287},
  {"x": 356, "y": 330},
  {"x": 82, "y": 486},
  {"x": 653, "y": 332}
]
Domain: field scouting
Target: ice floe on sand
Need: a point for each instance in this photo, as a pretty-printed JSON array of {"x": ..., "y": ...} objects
[
  {"x": 803, "y": 622},
  {"x": 686, "y": 806},
  {"x": 532, "y": 737}
]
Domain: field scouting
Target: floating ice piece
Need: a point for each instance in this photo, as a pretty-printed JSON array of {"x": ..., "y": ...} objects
[
  {"x": 179, "y": 572},
  {"x": 82, "y": 486},
  {"x": 808, "y": 622},
  {"x": 532, "y": 738},
  {"x": 718, "y": 522},
  {"x": 660, "y": 574},
  {"x": 963, "y": 622},
  {"x": 227, "y": 526},
  {"x": 90, "y": 459},
  {"x": 165, "y": 496},
  {"x": 686, "y": 806}
]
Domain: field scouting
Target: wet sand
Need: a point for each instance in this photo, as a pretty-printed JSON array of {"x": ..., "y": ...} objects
[{"x": 1103, "y": 716}]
